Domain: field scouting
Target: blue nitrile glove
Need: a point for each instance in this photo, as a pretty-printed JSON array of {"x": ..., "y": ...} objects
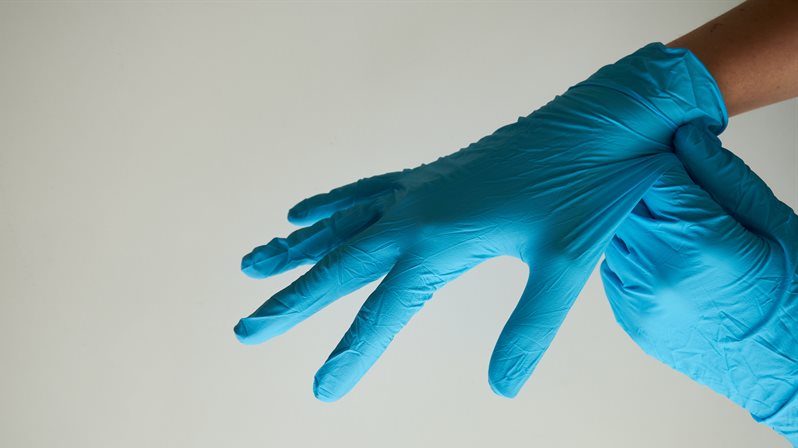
[
  {"x": 708, "y": 285},
  {"x": 549, "y": 189}
]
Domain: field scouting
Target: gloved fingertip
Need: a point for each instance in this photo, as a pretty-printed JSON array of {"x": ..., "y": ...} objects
[
  {"x": 504, "y": 388},
  {"x": 505, "y": 377},
  {"x": 256, "y": 330},
  {"x": 323, "y": 390},
  {"x": 266, "y": 260},
  {"x": 298, "y": 215},
  {"x": 338, "y": 375},
  {"x": 241, "y": 332},
  {"x": 248, "y": 267}
]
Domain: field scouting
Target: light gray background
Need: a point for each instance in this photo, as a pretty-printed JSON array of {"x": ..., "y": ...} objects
[{"x": 145, "y": 147}]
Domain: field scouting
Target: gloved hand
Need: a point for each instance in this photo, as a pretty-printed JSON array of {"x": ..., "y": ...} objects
[
  {"x": 708, "y": 285},
  {"x": 549, "y": 189}
]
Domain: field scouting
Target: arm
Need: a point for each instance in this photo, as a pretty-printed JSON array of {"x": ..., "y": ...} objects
[{"x": 751, "y": 51}]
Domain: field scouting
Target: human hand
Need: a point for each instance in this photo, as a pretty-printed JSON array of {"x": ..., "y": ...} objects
[
  {"x": 704, "y": 279},
  {"x": 549, "y": 189}
]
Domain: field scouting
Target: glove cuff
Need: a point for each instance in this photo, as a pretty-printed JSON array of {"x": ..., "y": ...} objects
[{"x": 671, "y": 82}]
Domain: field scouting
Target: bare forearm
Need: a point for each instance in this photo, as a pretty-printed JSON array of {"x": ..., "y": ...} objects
[{"x": 751, "y": 51}]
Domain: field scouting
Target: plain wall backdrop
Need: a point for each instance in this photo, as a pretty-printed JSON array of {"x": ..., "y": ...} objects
[{"x": 145, "y": 147}]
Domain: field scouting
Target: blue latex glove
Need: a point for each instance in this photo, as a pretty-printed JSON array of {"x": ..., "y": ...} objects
[
  {"x": 549, "y": 189},
  {"x": 708, "y": 285}
]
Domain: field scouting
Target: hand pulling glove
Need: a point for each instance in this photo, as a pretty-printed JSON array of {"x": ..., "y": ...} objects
[{"x": 704, "y": 279}]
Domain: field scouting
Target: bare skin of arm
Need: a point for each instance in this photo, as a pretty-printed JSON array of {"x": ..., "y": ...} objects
[{"x": 751, "y": 51}]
